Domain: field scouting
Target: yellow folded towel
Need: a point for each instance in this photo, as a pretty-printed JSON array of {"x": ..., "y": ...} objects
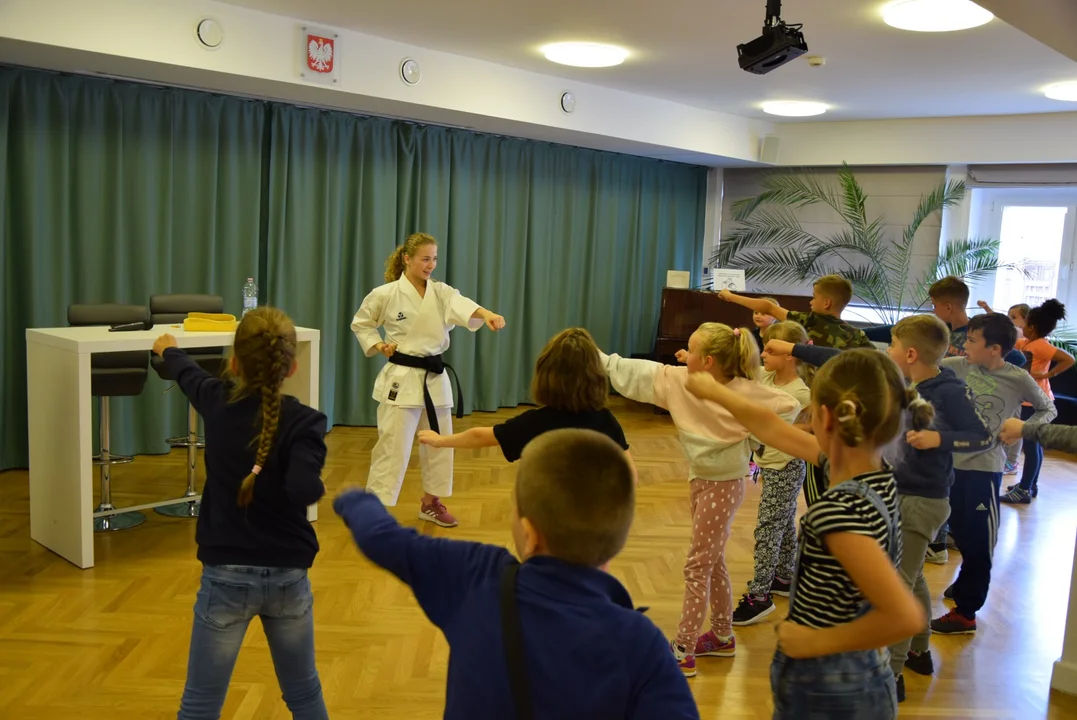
[{"x": 210, "y": 322}]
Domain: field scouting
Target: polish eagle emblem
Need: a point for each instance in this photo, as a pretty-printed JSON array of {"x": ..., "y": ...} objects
[{"x": 320, "y": 54}]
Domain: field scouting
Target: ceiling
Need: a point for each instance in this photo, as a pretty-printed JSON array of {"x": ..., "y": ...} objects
[{"x": 685, "y": 51}]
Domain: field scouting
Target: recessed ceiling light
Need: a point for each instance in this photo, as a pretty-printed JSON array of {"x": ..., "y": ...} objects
[
  {"x": 794, "y": 108},
  {"x": 935, "y": 15},
  {"x": 1062, "y": 91},
  {"x": 583, "y": 54}
]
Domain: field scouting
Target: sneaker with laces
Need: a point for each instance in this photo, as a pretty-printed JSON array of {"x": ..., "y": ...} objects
[
  {"x": 920, "y": 663},
  {"x": 437, "y": 513},
  {"x": 752, "y": 609},
  {"x": 1017, "y": 496},
  {"x": 954, "y": 623},
  {"x": 710, "y": 645},
  {"x": 1011, "y": 469},
  {"x": 686, "y": 662},
  {"x": 937, "y": 554},
  {"x": 781, "y": 587}
]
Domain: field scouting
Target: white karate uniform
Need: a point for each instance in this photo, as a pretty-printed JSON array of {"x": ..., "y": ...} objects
[{"x": 418, "y": 326}]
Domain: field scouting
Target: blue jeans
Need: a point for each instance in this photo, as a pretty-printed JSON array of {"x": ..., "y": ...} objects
[
  {"x": 846, "y": 686},
  {"x": 229, "y": 597}
]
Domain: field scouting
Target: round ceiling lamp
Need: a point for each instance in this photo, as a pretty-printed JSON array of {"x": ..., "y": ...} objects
[
  {"x": 1066, "y": 91},
  {"x": 794, "y": 108},
  {"x": 585, "y": 54},
  {"x": 935, "y": 15}
]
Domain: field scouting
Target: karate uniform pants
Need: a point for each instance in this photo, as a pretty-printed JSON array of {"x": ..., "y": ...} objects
[{"x": 389, "y": 460}]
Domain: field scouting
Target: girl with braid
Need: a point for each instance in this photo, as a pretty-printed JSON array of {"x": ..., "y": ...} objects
[{"x": 264, "y": 457}]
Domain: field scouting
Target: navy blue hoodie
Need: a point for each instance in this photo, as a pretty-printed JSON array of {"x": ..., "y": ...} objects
[{"x": 929, "y": 473}]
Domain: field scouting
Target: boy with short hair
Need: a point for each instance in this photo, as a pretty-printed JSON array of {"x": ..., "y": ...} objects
[
  {"x": 830, "y": 295},
  {"x": 574, "y": 646},
  {"x": 999, "y": 388},
  {"x": 949, "y": 301}
]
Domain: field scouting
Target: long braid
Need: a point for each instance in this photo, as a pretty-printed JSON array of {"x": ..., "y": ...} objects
[{"x": 265, "y": 354}]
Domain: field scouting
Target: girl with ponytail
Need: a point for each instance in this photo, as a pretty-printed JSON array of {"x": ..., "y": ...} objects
[
  {"x": 416, "y": 314},
  {"x": 847, "y": 598},
  {"x": 264, "y": 456},
  {"x": 1047, "y": 361},
  {"x": 718, "y": 449}
]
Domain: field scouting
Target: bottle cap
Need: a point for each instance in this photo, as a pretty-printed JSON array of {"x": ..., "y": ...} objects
[{"x": 250, "y": 279}]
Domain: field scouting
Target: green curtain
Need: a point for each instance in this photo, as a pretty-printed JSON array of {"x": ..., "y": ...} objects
[
  {"x": 113, "y": 191},
  {"x": 549, "y": 236}
]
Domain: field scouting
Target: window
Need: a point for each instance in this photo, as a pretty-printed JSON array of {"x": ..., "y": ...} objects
[{"x": 1035, "y": 228}]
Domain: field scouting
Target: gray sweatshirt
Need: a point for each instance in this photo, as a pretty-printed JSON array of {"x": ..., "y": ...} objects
[
  {"x": 1052, "y": 437},
  {"x": 999, "y": 394}
]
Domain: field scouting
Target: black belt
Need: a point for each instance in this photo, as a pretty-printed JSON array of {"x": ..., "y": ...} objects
[{"x": 432, "y": 364}]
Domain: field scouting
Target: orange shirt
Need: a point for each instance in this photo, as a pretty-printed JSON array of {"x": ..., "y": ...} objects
[{"x": 1042, "y": 353}]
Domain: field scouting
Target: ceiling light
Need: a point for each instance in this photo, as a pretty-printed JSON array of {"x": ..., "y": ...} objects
[
  {"x": 935, "y": 15},
  {"x": 582, "y": 54},
  {"x": 794, "y": 108},
  {"x": 1062, "y": 91}
]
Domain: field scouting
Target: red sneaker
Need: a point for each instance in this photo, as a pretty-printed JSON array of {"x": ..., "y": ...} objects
[
  {"x": 437, "y": 513},
  {"x": 954, "y": 623},
  {"x": 686, "y": 662},
  {"x": 710, "y": 645}
]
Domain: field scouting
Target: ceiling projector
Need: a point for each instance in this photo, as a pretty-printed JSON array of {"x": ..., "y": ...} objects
[{"x": 779, "y": 44}]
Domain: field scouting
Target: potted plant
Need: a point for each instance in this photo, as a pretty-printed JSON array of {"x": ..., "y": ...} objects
[{"x": 771, "y": 245}]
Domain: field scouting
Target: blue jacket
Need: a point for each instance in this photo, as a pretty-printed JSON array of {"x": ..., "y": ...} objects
[
  {"x": 961, "y": 428},
  {"x": 589, "y": 654}
]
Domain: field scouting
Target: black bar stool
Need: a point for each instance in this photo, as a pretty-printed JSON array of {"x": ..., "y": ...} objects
[
  {"x": 118, "y": 374},
  {"x": 170, "y": 310}
]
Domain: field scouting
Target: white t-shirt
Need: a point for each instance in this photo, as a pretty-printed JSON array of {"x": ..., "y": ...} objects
[{"x": 770, "y": 458}]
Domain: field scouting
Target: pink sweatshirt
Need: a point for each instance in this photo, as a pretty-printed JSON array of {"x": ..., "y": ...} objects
[{"x": 717, "y": 446}]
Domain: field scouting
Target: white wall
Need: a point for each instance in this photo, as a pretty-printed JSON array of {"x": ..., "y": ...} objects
[
  {"x": 156, "y": 40},
  {"x": 893, "y": 193}
]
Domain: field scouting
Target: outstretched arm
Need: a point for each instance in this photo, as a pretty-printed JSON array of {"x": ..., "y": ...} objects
[
  {"x": 765, "y": 424},
  {"x": 758, "y": 305},
  {"x": 478, "y": 437}
]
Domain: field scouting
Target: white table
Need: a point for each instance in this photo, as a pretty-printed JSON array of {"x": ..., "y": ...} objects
[{"x": 61, "y": 422}]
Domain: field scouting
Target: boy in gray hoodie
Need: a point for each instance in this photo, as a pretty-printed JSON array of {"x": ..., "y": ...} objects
[{"x": 999, "y": 389}]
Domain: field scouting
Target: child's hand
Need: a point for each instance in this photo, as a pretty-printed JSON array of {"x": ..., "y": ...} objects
[
  {"x": 386, "y": 349},
  {"x": 1011, "y": 431},
  {"x": 701, "y": 384},
  {"x": 163, "y": 343},
  {"x": 796, "y": 641},
  {"x": 682, "y": 356},
  {"x": 1039, "y": 376},
  {"x": 780, "y": 348},
  {"x": 725, "y": 294},
  {"x": 923, "y": 439},
  {"x": 494, "y": 321},
  {"x": 983, "y": 305},
  {"x": 431, "y": 438}
]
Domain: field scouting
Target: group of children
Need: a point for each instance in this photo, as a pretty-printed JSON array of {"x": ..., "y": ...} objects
[{"x": 550, "y": 618}]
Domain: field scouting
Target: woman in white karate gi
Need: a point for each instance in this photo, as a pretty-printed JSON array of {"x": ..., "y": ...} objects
[{"x": 413, "y": 390}]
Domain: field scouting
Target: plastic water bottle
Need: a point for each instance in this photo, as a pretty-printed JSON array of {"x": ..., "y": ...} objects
[{"x": 250, "y": 296}]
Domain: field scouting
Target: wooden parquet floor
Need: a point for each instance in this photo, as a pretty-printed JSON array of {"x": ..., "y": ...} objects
[{"x": 112, "y": 641}]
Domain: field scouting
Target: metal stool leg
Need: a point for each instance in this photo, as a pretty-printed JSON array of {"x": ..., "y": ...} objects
[
  {"x": 187, "y": 509},
  {"x": 120, "y": 520}
]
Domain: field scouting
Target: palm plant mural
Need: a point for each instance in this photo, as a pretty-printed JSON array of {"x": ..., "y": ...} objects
[{"x": 772, "y": 246}]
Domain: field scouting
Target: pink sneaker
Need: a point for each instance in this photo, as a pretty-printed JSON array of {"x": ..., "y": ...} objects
[
  {"x": 437, "y": 513},
  {"x": 686, "y": 662},
  {"x": 709, "y": 645}
]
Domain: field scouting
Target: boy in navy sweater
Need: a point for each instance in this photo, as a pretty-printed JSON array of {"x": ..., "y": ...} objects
[{"x": 586, "y": 652}]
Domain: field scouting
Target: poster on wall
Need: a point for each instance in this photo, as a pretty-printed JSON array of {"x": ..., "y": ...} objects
[
  {"x": 728, "y": 279},
  {"x": 319, "y": 55}
]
